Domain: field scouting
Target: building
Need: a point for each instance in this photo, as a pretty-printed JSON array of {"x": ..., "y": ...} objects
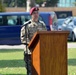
[{"x": 67, "y": 3}]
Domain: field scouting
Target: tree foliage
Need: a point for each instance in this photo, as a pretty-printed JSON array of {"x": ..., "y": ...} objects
[
  {"x": 15, "y": 3},
  {"x": 51, "y": 3},
  {"x": 2, "y": 8},
  {"x": 22, "y": 3}
]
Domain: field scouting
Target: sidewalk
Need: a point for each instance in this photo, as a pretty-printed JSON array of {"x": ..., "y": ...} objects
[
  {"x": 70, "y": 45},
  {"x": 12, "y": 46}
]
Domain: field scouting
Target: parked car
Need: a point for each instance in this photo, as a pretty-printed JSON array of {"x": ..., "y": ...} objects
[
  {"x": 70, "y": 25},
  {"x": 59, "y": 24},
  {"x": 10, "y": 25}
]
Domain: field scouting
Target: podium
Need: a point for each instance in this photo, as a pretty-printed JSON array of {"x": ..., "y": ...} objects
[{"x": 49, "y": 53}]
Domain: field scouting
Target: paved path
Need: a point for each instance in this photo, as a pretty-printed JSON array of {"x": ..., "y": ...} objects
[
  {"x": 12, "y": 46},
  {"x": 70, "y": 45}
]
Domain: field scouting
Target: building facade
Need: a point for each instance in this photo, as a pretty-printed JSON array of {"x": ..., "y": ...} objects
[{"x": 67, "y": 3}]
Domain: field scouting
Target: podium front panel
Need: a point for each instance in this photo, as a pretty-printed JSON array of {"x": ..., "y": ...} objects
[
  {"x": 53, "y": 57},
  {"x": 49, "y": 53}
]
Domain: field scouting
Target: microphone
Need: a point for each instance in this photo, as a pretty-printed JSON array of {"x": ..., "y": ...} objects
[{"x": 26, "y": 23}]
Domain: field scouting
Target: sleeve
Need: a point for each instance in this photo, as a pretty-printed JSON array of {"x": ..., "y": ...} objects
[
  {"x": 44, "y": 26},
  {"x": 22, "y": 35}
]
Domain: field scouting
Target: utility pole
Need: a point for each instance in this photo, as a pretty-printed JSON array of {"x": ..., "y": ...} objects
[{"x": 30, "y": 4}]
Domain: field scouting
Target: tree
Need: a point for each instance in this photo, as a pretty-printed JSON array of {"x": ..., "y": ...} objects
[
  {"x": 2, "y": 8},
  {"x": 21, "y": 3},
  {"x": 51, "y": 3}
]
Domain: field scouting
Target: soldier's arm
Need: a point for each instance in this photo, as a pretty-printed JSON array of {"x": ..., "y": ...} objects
[
  {"x": 44, "y": 26},
  {"x": 22, "y": 35}
]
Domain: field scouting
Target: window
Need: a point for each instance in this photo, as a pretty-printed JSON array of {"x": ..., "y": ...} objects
[
  {"x": 25, "y": 18},
  {"x": 1, "y": 20},
  {"x": 75, "y": 21},
  {"x": 66, "y": 3},
  {"x": 12, "y": 20}
]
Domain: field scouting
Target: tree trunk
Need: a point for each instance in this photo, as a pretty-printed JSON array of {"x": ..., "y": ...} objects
[{"x": 30, "y": 4}]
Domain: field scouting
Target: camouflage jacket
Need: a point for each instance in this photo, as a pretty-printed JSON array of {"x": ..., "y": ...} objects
[{"x": 29, "y": 28}]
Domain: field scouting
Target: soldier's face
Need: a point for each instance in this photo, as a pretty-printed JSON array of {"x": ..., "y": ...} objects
[{"x": 35, "y": 15}]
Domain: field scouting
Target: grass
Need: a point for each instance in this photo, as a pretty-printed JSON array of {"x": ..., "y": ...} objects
[
  {"x": 11, "y": 62},
  {"x": 72, "y": 61}
]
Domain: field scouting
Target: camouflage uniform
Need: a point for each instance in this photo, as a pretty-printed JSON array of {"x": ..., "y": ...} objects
[{"x": 30, "y": 29}]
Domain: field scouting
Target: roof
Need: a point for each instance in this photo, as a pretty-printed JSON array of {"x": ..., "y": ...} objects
[{"x": 18, "y": 13}]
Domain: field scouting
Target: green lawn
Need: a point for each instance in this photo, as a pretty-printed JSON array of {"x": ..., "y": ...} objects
[
  {"x": 72, "y": 61},
  {"x": 11, "y": 62}
]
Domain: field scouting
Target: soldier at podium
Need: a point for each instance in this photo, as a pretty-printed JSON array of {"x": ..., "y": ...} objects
[{"x": 27, "y": 32}]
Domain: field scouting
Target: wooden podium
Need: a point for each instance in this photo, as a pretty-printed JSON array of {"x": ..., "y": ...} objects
[{"x": 49, "y": 53}]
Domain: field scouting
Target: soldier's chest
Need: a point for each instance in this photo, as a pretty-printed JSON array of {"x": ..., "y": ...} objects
[{"x": 33, "y": 27}]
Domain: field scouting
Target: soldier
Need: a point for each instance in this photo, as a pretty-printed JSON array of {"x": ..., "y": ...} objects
[{"x": 27, "y": 32}]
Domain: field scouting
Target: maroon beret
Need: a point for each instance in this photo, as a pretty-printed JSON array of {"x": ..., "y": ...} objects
[{"x": 33, "y": 9}]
